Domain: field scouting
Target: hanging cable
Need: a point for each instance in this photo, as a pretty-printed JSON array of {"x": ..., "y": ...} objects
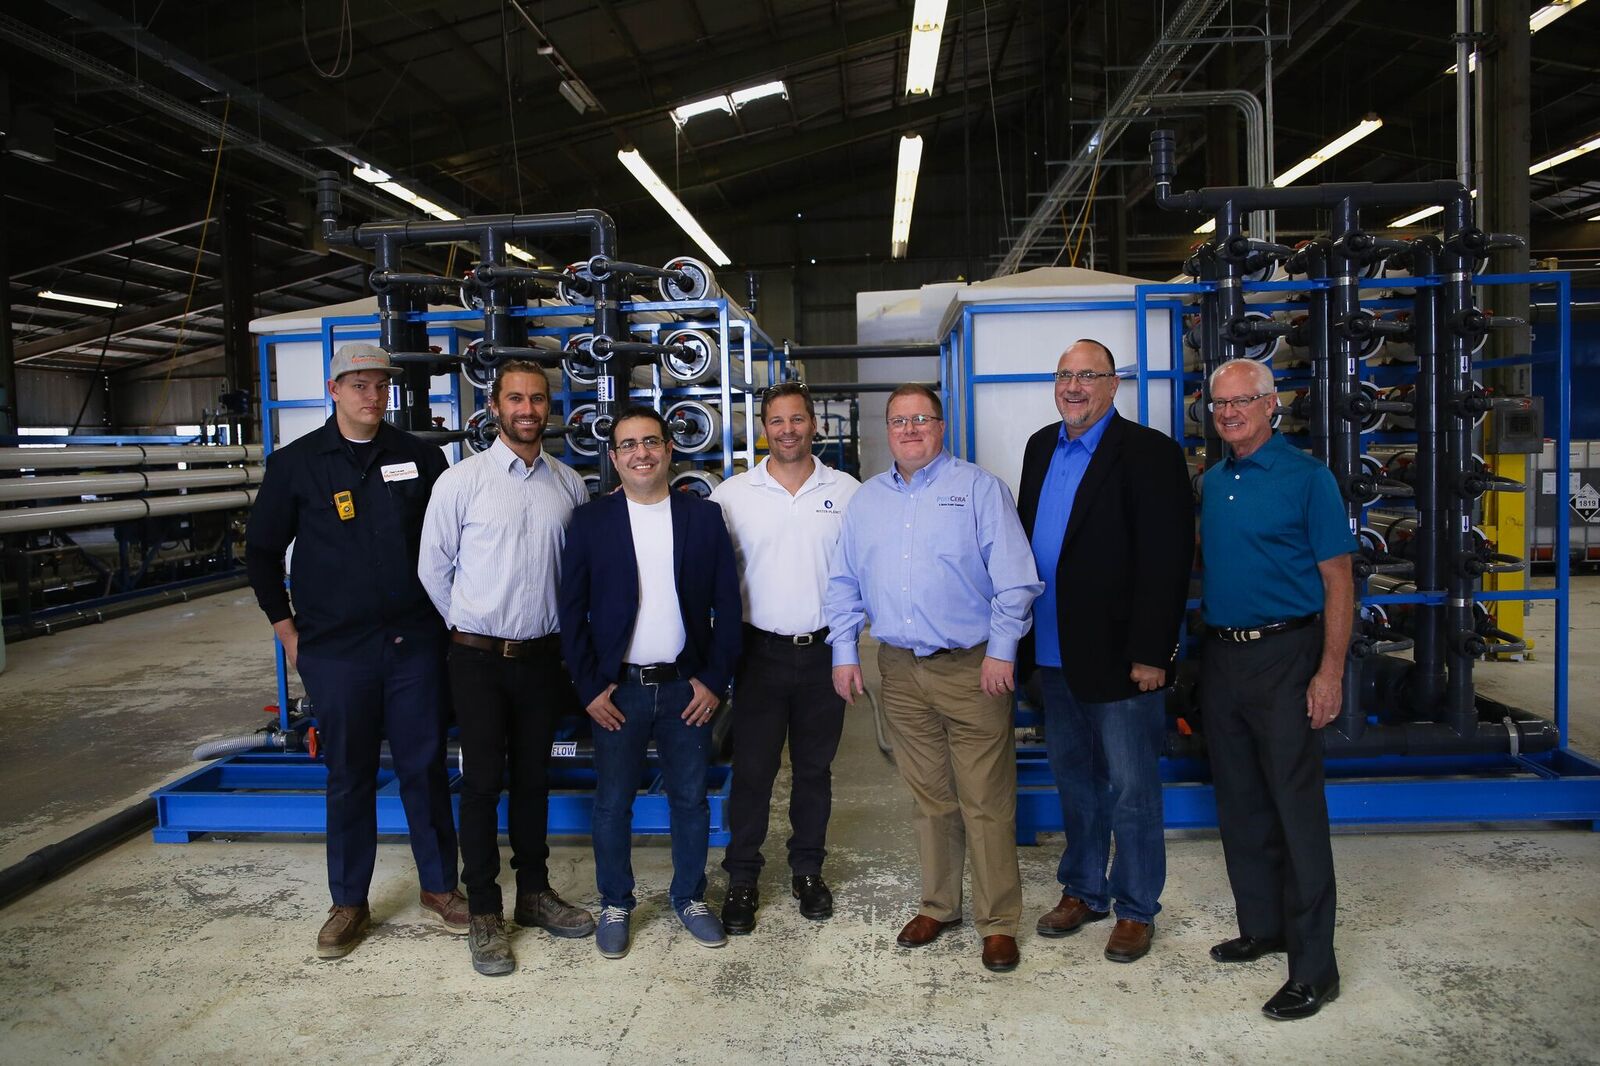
[
  {"x": 111, "y": 327},
  {"x": 994, "y": 119},
  {"x": 511, "y": 104},
  {"x": 194, "y": 275},
  {"x": 344, "y": 47}
]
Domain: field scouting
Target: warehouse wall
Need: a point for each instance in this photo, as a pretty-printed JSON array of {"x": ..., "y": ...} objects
[
  {"x": 139, "y": 406},
  {"x": 53, "y": 397}
]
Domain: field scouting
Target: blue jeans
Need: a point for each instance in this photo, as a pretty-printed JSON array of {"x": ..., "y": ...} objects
[
  {"x": 651, "y": 712},
  {"x": 1106, "y": 762}
]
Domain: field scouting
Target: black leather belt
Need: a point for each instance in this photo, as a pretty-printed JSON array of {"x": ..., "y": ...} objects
[
  {"x": 938, "y": 652},
  {"x": 509, "y": 649},
  {"x": 1247, "y": 636},
  {"x": 653, "y": 674},
  {"x": 799, "y": 640}
]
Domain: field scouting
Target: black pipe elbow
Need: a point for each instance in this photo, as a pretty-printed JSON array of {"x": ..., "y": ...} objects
[{"x": 1163, "y": 162}]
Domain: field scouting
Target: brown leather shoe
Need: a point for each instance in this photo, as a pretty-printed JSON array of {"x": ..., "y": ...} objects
[
  {"x": 1130, "y": 940},
  {"x": 450, "y": 908},
  {"x": 342, "y": 931},
  {"x": 1066, "y": 917},
  {"x": 1000, "y": 953},
  {"x": 923, "y": 930}
]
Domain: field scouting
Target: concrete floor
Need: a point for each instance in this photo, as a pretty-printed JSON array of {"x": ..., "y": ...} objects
[{"x": 1456, "y": 946}]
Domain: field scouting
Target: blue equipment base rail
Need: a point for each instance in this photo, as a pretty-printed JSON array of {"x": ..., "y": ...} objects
[
  {"x": 273, "y": 792},
  {"x": 1555, "y": 786}
]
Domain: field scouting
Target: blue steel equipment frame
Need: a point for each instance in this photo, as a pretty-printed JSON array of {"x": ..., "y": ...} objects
[
  {"x": 1562, "y": 785},
  {"x": 283, "y": 792}
]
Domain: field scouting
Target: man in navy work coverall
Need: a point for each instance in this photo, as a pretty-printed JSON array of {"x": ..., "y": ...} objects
[
  {"x": 643, "y": 573},
  {"x": 1278, "y": 596},
  {"x": 362, "y": 632}
]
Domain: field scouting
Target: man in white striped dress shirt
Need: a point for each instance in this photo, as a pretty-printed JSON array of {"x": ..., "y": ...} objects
[{"x": 490, "y": 560}]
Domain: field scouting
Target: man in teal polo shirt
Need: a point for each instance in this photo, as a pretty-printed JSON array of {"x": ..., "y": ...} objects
[{"x": 1278, "y": 596}]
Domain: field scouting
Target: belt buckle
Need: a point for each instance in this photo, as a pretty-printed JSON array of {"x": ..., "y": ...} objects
[
  {"x": 801, "y": 640},
  {"x": 651, "y": 675},
  {"x": 508, "y": 648}
]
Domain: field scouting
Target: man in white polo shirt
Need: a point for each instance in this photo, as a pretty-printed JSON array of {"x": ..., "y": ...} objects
[
  {"x": 491, "y": 561},
  {"x": 784, "y": 517}
]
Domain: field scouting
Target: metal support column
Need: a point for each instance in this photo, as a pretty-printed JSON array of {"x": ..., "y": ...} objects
[{"x": 238, "y": 307}]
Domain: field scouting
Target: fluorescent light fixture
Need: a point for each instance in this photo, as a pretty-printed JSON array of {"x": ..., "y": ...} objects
[
  {"x": 1538, "y": 21},
  {"x": 1418, "y": 216},
  {"x": 518, "y": 252},
  {"x": 1549, "y": 13},
  {"x": 927, "y": 27},
  {"x": 1561, "y": 157},
  {"x": 578, "y": 95},
  {"x": 653, "y": 184},
  {"x": 1595, "y": 219},
  {"x": 367, "y": 172},
  {"x": 421, "y": 203},
  {"x": 905, "y": 193},
  {"x": 1361, "y": 129},
  {"x": 1208, "y": 226},
  {"x": 87, "y": 301},
  {"x": 740, "y": 97},
  {"x": 684, "y": 113}
]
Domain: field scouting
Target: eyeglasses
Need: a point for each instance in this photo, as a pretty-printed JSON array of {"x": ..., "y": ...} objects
[
  {"x": 784, "y": 388},
  {"x": 1084, "y": 377},
  {"x": 1238, "y": 403},
  {"x": 901, "y": 422},
  {"x": 629, "y": 446}
]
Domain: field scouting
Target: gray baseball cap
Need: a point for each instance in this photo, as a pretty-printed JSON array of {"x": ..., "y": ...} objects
[{"x": 361, "y": 357}]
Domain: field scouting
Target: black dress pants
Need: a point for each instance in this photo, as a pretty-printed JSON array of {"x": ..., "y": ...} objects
[
  {"x": 506, "y": 714},
  {"x": 782, "y": 692},
  {"x": 1266, "y": 764}
]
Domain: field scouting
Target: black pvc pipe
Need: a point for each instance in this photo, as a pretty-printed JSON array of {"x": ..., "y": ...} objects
[
  {"x": 860, "y": 351},
  {"x": 1428, "y": 479},
  {"x": 51, "y": 862}
]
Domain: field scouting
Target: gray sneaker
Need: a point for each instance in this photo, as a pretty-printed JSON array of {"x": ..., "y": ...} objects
[
  {"x": 553, "y": 914},
  {"x": 491, "y": 949}
]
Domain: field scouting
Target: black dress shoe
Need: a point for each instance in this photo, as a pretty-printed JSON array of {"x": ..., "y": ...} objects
[
  {"x": 1296, "y": 999},
  {"x": 1246, "y": 948},
  {"x": 816, "y": 902},
  {"x": 739, "y": 909}
]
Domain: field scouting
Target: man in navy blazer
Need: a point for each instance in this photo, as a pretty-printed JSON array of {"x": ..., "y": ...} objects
[
  {"x": 1107, "y": 507},
  {"x": 650, "y": 625}
]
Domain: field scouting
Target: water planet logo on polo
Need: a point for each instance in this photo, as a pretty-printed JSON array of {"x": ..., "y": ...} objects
[{"x": 950, "y": 501}]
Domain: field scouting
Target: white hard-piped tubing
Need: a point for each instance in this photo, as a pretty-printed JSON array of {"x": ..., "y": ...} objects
[
  {"x": 58, "y": 516},
  {"x": 49, "y": 488},
  {"x": 126, "y": 455}
]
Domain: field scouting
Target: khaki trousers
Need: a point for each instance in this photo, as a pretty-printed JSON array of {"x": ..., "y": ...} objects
[{"x": 956, "y": 751}]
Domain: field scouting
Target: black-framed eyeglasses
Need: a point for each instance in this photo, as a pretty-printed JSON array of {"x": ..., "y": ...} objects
[
  {"x": 901, "y": 422},
  {"x": 1084, "y": 377},
  {"x": 629, "y": 446},
  {"x": 1238, "y": 403}
]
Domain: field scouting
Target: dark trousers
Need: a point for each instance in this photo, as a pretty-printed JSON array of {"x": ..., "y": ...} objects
[
  {"x": 358, "y": 702},
  {"x": 651, "y": 712},
  {"x": 782, "y": 692},
  {"x": 506, "y": 714},
  {"x": 1266, "y": 763}
]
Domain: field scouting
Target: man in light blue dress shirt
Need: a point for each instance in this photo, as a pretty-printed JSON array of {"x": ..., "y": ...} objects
[
  {"x": 490, "y": 560},
  {"x": 933, "y": 555}
]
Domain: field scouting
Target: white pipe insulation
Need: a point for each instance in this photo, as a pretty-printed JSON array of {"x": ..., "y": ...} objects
[
  {"x": 49, "y": 488},
  {"x": 23, "y": 519}
]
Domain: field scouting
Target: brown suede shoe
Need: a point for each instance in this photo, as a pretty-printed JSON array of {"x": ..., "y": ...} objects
[
  {"x": 1130, "y": 940},
  {"x": 342, "y": 931},
  {"x": 1000, "y": 953},
  {"x": 450, "y": 908},
  {"x": 923, "y": 930},
  {"x": 1066, "y": 917}
]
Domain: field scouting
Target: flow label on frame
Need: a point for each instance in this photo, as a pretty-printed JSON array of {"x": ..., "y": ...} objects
[
  {"x": 564, "y": 749},
  {"x": 605, "y": 388}
]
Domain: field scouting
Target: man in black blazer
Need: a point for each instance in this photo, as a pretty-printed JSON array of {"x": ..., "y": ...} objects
[
  {"x": 650, "y": 626},
  {"x": 1108, "y": 509}
]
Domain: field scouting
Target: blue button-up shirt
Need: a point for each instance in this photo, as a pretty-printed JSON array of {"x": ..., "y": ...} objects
[
  {"x": 1060, "y": 489},
  {"x": 1266, "y": 521},
  {"x": 936, "y": 562}
]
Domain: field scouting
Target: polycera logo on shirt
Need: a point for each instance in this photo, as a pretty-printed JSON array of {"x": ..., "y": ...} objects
[{"x": 950, "y": 501}]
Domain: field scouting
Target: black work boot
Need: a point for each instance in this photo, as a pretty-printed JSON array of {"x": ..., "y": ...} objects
[
  {"x": 816, "y": 902},
  {"x": 739, "y": 908}
]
